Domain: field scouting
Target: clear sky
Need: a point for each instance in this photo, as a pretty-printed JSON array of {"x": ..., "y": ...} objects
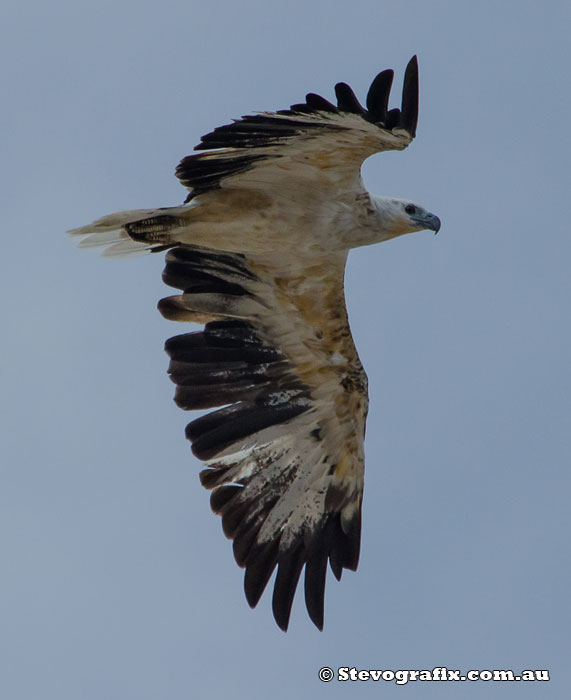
[{"x": 117, "y": 581}]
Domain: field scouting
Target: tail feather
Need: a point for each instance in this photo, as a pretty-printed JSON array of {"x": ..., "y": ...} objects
[
  {"x": 133, "y": 232},
  {"x": 128, "y": 248},
  {"x": 94, "y": 240},
  {"x": 113, "y": 222}
]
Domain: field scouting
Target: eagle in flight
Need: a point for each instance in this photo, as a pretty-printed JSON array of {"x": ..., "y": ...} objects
[{"x": 258, "y": 252}]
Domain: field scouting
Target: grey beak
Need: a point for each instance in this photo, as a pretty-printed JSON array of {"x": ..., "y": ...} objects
[
  {"x": 435, "y": 224},
  {"x": 429, "y": 221}
]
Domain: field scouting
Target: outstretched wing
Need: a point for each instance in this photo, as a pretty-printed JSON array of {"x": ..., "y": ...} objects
[
  {"x": 314, "y": 144},
  {"x": 296, "y": 164},
  {"x": 284, "y": 456}
]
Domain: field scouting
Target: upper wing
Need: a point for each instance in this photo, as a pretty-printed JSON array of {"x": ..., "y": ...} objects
[
  {"x": 313, "y": 144},
  {"x": 285, "y": 454},
  {"x": 253, "y": 170}
]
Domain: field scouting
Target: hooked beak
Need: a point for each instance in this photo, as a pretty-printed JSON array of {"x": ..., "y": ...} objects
[{"x": 429, "y": 221}]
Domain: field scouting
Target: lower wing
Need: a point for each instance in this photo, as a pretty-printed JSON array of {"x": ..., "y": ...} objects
[{"x": 284, "y": 456}]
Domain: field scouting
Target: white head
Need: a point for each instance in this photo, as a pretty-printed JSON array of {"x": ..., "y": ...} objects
[{"x": 399, "y": 216}]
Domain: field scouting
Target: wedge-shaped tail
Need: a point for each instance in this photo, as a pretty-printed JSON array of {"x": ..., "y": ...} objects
[{"x": 133, "y": 232}]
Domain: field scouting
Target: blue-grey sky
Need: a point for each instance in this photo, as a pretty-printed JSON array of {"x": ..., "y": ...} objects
[{"x": 117, "y": 581}]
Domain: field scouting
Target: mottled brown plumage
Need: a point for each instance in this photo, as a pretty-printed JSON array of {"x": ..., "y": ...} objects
[{"x": 258, "y": 254}]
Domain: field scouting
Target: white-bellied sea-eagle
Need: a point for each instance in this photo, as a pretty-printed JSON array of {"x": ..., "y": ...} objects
[{"x": 258, "y": 250}]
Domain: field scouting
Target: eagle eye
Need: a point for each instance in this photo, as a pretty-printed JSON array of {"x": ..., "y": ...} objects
[{"x": 410, "y": 209}]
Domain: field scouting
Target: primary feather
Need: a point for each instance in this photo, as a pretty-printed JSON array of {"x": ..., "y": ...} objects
[{"x": 258, "y": 253}]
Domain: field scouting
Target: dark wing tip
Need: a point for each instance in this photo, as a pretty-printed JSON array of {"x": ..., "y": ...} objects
[
  {"x": 289, "y": 570},
  {"x": 378, "y": 95},
  {"x": 315, "y": 575},
  {"x": 378, "y": 100},
  {"x": 222, "y": 495},
  {"x": 333, "y": 542},
  {"x": 318, "y": 103},
  {"x": 409, "y": 107},
  {"x": 393, "y": 118},
  {"x": 260, "y": 565},
  {"x": 347, "y": 100}
]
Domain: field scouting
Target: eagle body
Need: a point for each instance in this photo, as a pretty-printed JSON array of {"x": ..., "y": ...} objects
[{"x": 258, "y": 254}]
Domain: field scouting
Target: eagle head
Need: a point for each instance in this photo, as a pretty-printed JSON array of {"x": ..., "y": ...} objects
[{"x": 399, "y": 216}]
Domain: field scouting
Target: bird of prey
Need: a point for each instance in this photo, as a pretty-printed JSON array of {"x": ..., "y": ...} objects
[{"x": 258, "y": 252}]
